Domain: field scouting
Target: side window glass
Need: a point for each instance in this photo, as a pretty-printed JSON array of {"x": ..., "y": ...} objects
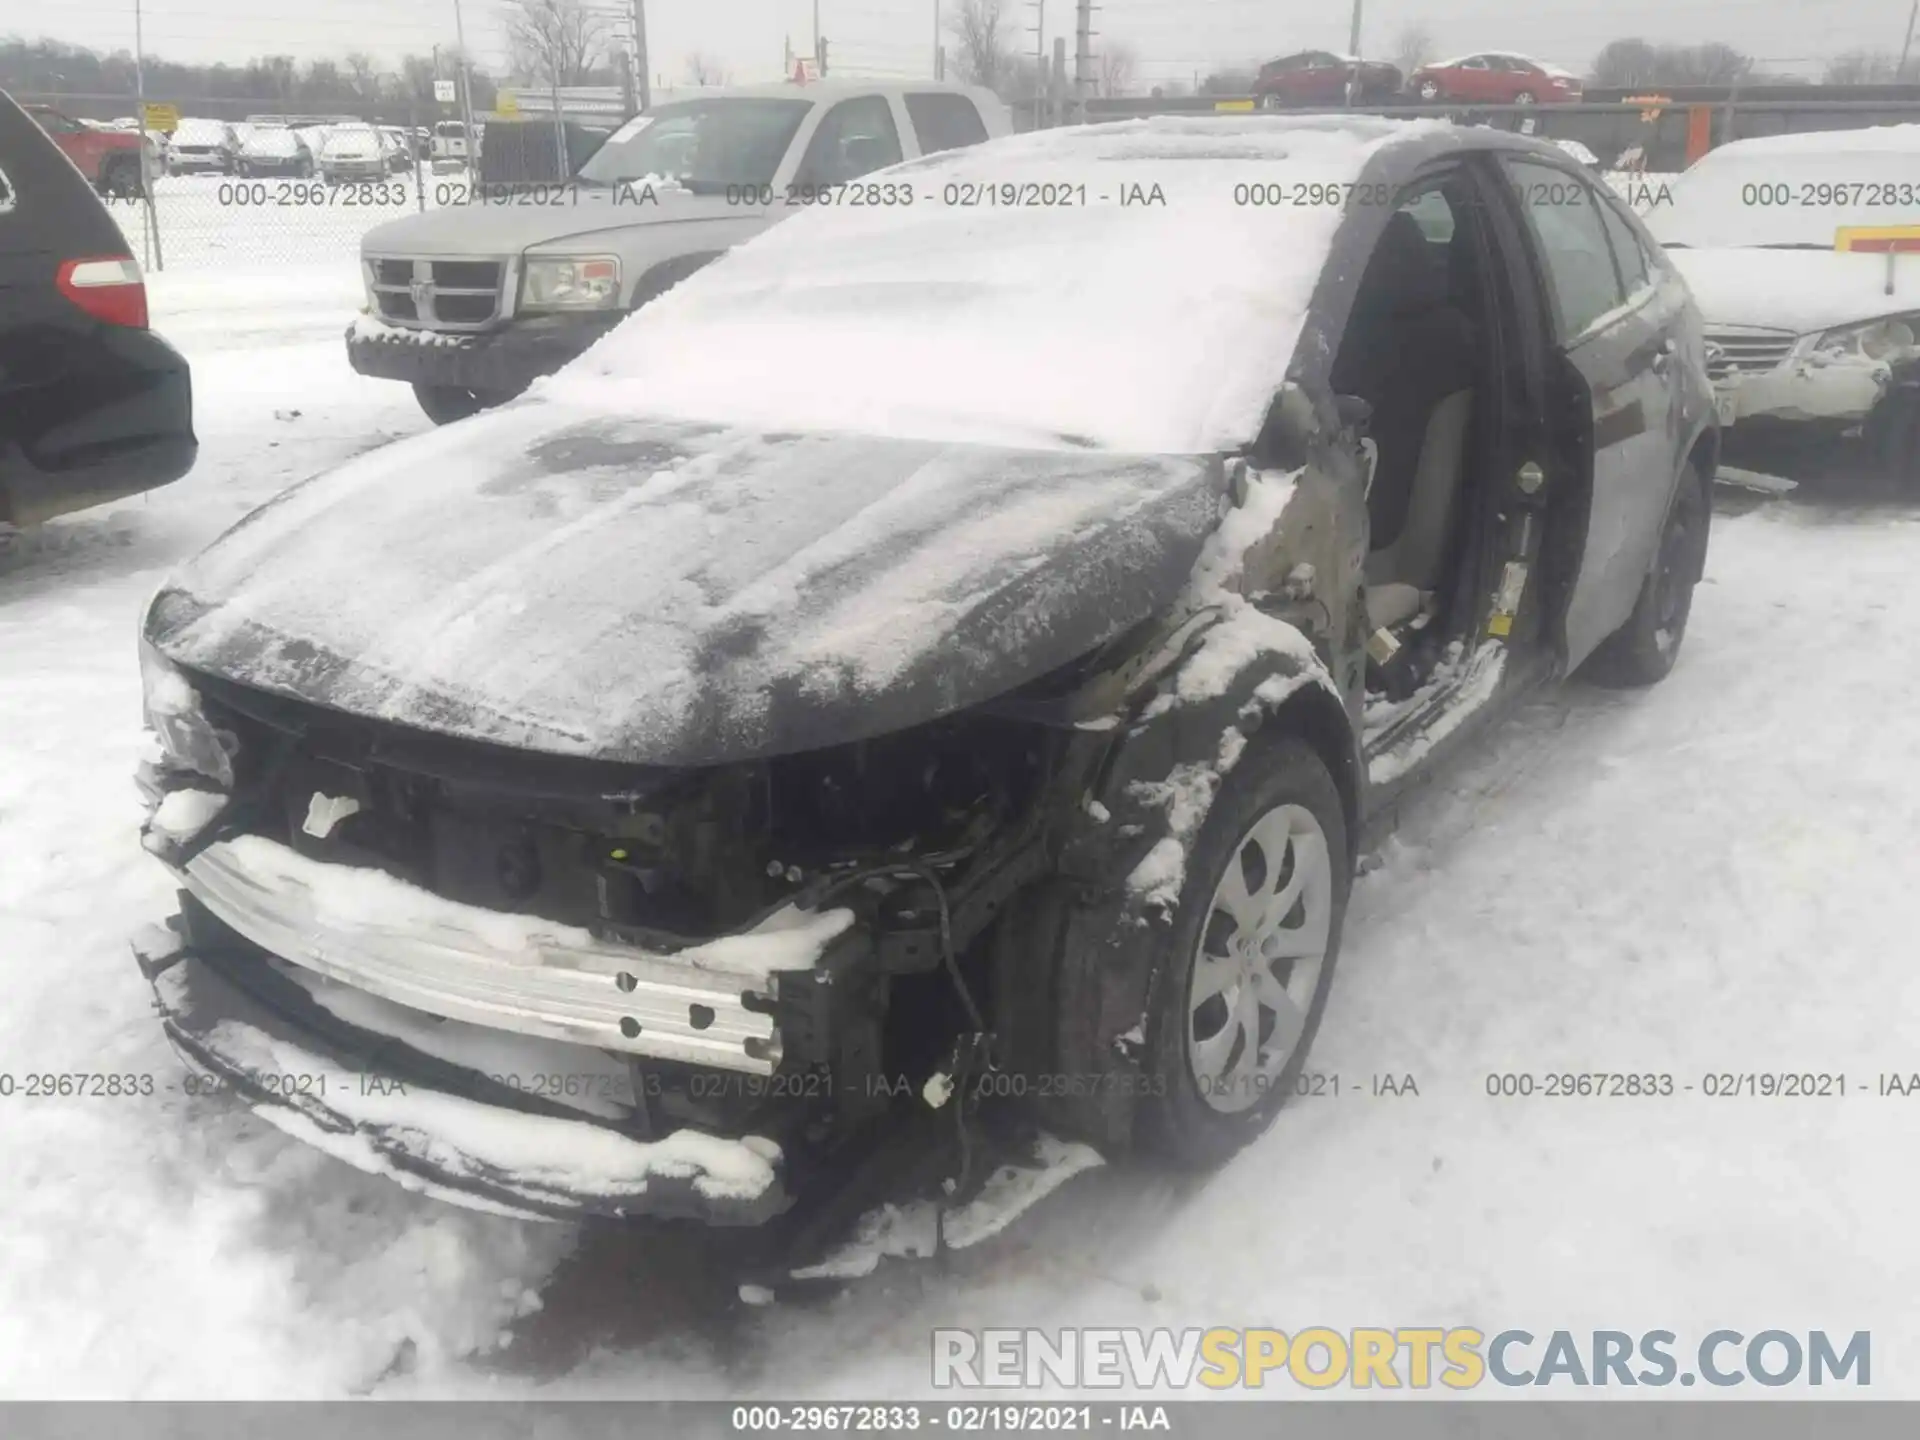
[
  {"x": 1434, "y": 216},
  {"x": 1627, "y": 252},
  {"x": 1564, "y": 217},
  {"x": 1475, "y": 62},
  {"x": 855, "y": 138},
  {"x": 945, "y": 122}
]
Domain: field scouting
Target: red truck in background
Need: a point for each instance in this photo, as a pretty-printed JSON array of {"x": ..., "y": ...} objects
[{"x": 110, "y": 159}]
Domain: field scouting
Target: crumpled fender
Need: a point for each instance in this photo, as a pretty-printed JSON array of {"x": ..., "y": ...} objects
[{"x": 1112, "y": 922}]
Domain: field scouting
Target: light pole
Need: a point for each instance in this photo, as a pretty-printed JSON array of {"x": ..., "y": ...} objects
[{"x": 1907, "y": 44}]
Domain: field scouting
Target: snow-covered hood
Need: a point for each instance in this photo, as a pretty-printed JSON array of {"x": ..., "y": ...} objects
[
  {"x": 668, "y": 593},
  {"x": 503, "y": 227},
  {"x": 1804, "y": 291}
]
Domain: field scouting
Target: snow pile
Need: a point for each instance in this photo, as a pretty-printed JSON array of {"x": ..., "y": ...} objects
[
  {"x": 1145, "y": 309},
  {"x": 913, "y": 1231}
]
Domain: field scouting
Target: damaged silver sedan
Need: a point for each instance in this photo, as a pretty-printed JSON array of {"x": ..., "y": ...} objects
[{"x": 928, "y": 677}]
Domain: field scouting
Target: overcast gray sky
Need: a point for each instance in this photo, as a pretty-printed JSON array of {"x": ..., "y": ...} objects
[{"x": 1170, "y": 37}]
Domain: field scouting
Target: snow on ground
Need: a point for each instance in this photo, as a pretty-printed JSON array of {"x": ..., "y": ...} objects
[{"x": 1712, "y": 876}]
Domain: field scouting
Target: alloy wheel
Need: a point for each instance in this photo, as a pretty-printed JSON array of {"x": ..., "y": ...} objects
[{"x": 1258, "y": 962}]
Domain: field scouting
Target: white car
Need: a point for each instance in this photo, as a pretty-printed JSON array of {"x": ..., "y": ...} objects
[
  {"x": 1802, "y": 333},
  {"x": 353, "y": 153}
]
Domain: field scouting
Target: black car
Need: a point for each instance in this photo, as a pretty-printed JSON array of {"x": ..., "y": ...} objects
[
  {"x": 93, "y": 405},
  {"x": 916, "y": 675}
]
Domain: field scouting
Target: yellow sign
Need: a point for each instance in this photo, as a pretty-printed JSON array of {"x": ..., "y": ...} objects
[
  {"x": 164, "y": 118},
  {"x": 507, "y": 103},
  {"x": 1220, "y": 105},
  {"x": 1878, "y": 239}
]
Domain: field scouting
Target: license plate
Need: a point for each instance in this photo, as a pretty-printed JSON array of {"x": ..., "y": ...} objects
[{"x": 1726, "y": 406}]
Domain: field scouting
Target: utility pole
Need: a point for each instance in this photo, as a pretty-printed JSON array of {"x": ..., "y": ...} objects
[
  {"x": 1907, "y": 44},
  {"x": 1353, "y": 49},
  {"x": 816, "y": 33},
  {"x": 149, "y": 217},
  {"x": 1082, "y": 57},
  {"x": 466, "y": 89},
  {"x": 640, "y": 65},
  {"x": 1040, "y": 62}
]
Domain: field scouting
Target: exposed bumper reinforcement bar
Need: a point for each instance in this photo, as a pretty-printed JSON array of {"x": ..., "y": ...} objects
[
  {"x": 369, "y": 930},
  {"x": 388, "y": 1111}
]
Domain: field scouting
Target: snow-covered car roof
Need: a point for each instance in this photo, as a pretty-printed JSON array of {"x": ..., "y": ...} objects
[
  {"x": 980, "y": 311},
  {"x": 271, "y": 140},
  {"x": 1796, "y": 190}
]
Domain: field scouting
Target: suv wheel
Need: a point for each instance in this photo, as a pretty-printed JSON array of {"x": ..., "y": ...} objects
[
  {"x": 120, "y": 179},
  {"x": 1249, "y": 963},
  {"x": 445, "y": 404},
  {"x": 1643, "y": 650}
]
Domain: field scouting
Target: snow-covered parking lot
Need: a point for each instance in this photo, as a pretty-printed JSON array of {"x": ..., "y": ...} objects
[{"x": 1713, "y": 878}]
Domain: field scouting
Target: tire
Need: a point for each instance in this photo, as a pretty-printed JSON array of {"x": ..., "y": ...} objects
[
  {"x": 1429, "y": 90},
  {"x": 120, "y": 180},
  {"x": 1643, "y": 651},
  {"x": 445, "y": 404},
  {"x": 1281, "y": 788},
  {"x": 1525, "y": 97},
  {"x": 1269, "y": 102},
  {"x": 1893, "y": 436}
]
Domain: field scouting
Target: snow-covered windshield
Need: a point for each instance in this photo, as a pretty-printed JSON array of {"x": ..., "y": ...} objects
[
  {"x": 200, "y": 132},
  {"x": 1794, "y": 191},
  {"x": 352, "y": 140},
  {"x": 1140, "y": 286},
  {"x": 704, "y": 145}
]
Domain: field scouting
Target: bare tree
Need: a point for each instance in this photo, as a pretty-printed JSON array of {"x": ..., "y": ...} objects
[
  {"x": 1866, "y": 67},
  {"x": 1635, "y": 62},
  {"x": 1412, "y": 48},
  {"x": 984, "y": 32},
  {"x": 556, "y": 42},
  {"x": 705, "y": 70},
  {"x": 362, "y": 74},
  {"x": 1115, "y": 72}
]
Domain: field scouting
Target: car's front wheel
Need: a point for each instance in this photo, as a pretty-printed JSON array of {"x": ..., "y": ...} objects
[
  {"x": 1269, "y": 102},
  {"x": 1250, "y": 960},
  {"x": 120, "y": 179},
  {"x": 1429, "y": 90},
  {"x": 1525, "y": 97},
  {"x": 1642, "y": 651}
]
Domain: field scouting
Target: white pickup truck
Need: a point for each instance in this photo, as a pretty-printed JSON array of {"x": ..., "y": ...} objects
[{"x": 471, "y": 303}]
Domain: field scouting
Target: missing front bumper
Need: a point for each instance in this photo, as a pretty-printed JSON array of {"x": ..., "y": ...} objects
[{"x": 390, "y": 1110}]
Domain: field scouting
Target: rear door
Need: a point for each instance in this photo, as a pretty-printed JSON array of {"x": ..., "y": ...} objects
[{"x": 1613, "y": 340}]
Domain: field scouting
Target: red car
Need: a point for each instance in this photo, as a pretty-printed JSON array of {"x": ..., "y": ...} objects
[
  {"x": 110, "y": 159},
  {"x": 1319, "y": 77},
  {"x": 1494, "y": 77}
]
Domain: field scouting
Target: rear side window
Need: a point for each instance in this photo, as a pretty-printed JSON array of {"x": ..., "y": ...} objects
[
  {"x": 855, "y": 138},
  {"x": 945, "y": 122},
  {"x": 1564, "y": 215},
  {"x": 1627, "y": 251}
]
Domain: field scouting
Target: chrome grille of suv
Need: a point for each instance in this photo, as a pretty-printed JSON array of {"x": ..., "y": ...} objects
[
  {"x": 438, "y": 294},
  {"x": 1746, "y": 352}
]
